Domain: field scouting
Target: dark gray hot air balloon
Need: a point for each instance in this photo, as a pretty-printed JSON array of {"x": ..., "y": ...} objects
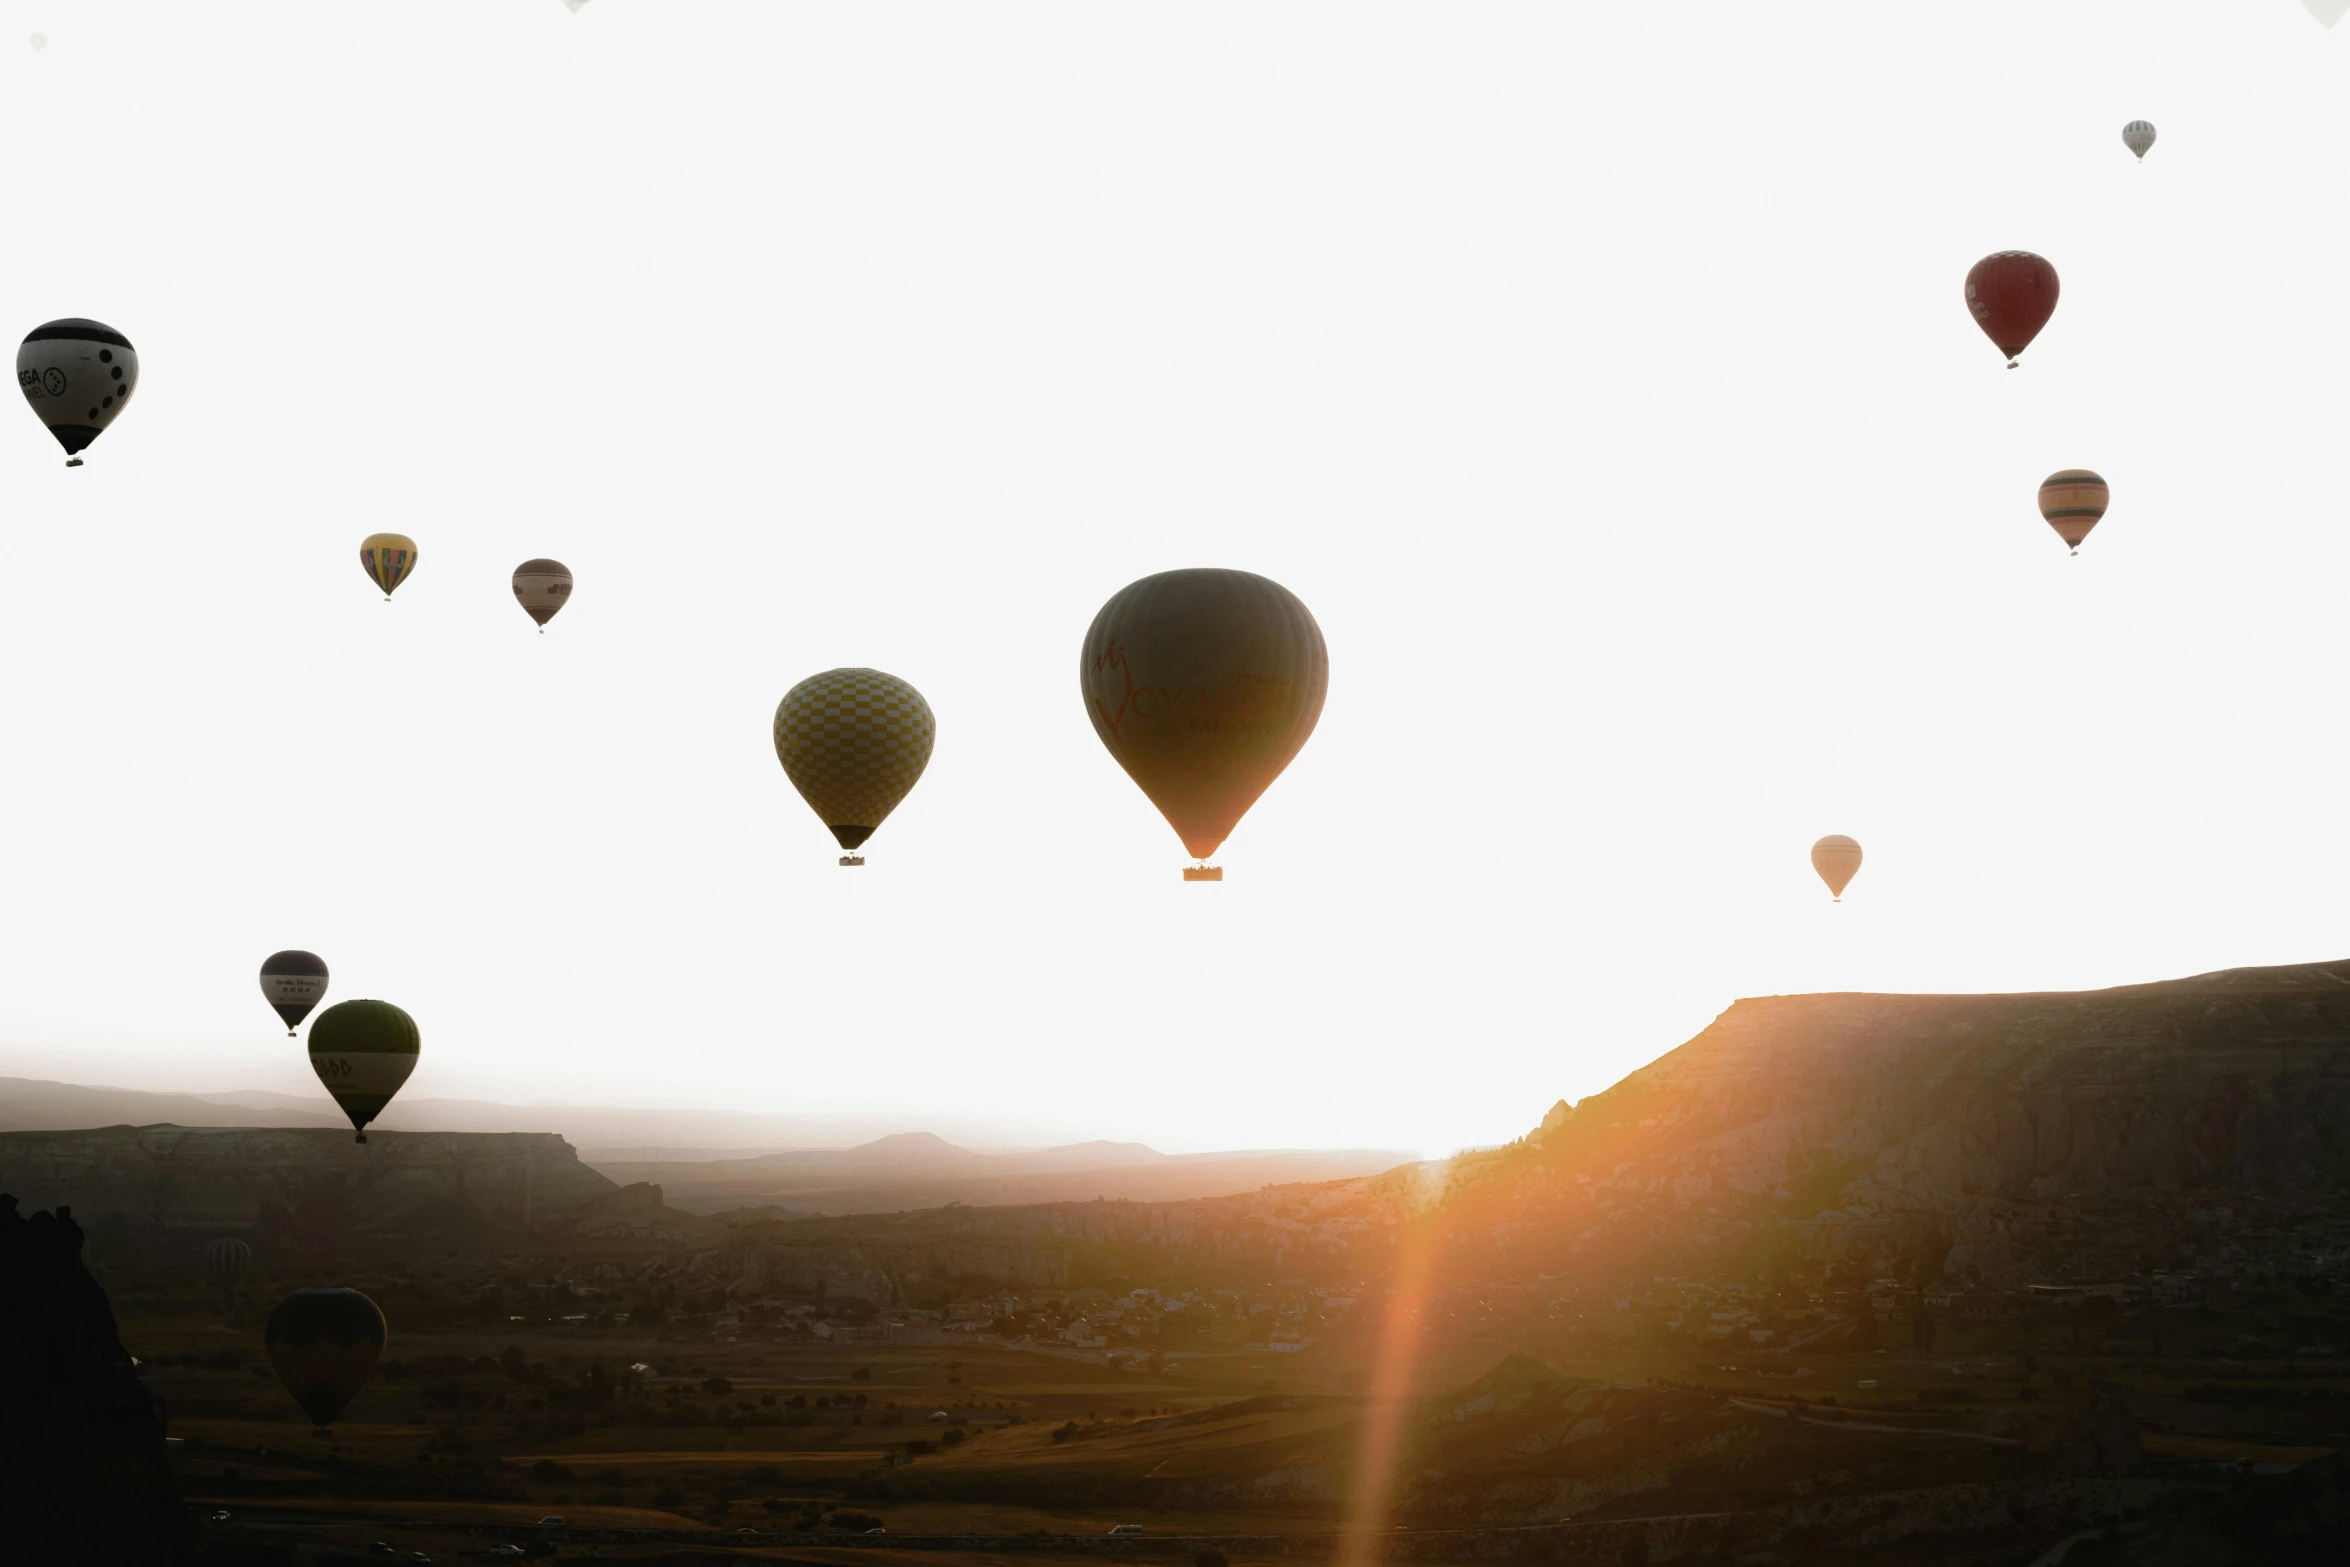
[
  {"x": 293, "y": 982},
  {"x": 1204, "y": 684},
  {"x": 323, "y": 1344},
  {"x": 77, "y": 375},
  {"x": 224, "y": 1263},
  {"x": 363, "y": 1051}
]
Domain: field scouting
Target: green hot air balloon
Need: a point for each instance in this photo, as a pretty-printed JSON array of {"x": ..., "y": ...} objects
[
  {"x": 323, "y": 1344},
  {"x": 1204, "y": 684},
  {"x": 363, "y": 1051}
]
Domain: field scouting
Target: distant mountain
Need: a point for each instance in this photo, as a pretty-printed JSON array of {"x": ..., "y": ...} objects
[
  {"x": 31, "y": 1105},
  {"x": 638, "y": 1132},
  {"x": 918, "y": 1170},
  {"x": 1097, "y": 1154},
  {"x": 717, "y": 1161}
]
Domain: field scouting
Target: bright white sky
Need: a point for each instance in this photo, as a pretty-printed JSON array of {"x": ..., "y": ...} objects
[{"x": 1598, "y": 375}]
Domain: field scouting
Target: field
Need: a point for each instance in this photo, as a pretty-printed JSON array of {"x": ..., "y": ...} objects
[{"x": 740, "y": 1442}]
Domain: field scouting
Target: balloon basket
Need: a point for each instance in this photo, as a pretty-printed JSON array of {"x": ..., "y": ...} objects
[
  {"x": 73, "y": 462},
  {"x": 1203, "y": 873},
  {"x": 852, "y": 859}
]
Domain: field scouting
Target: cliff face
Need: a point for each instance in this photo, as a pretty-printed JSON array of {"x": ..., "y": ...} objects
[
  {"x": 166, "y": 1189},
  {"x": 2006, "y": 1139}
]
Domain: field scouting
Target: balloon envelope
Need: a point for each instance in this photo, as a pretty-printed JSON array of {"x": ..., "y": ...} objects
[
  {"x": 323, "y": 1344},
  {"x": 293, "y": 982},
  {"x": 2328, "y": 11},
  {"x": 2011, "y": 296},
  {"x": 77, "y": 375},
  {"x": 542, "y": 587},
  {"x": 853, "y": 742},
  {"x": 2138, "y": 136},
  {"x": 387, "y": 558},
  {"x": 363, "y": 1051},
  {"x": 2072, "y": 501},
  {"x": 225, "y": 1260},
  {"x": 1836, "y": 858},
  {"x": 1204, "y": 684}
]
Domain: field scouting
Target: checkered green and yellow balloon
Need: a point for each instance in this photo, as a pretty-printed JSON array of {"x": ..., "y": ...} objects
[{"x": 853, "y": 741}]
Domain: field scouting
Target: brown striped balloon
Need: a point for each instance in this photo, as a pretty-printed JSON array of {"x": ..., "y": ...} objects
[{"x": 2072, "y": 501}]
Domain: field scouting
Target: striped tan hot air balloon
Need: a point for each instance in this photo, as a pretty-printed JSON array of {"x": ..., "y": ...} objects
[
  {"x": 1837, "y": 859},
  {"x": 387, "y": 558},
  {"x": 2138, "y": 135},
  {"x": 542, "y": 587},
  {"x": 2072, "y": 501}
]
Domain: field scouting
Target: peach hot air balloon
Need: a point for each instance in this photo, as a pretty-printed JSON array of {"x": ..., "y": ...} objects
[
  {"x": 2072, "y": 501},
  {"x": 1837, "y": 859},
  {"x": 1204, "y": 684}
]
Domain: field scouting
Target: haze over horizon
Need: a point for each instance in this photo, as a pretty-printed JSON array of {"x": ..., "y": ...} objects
[{"x": 1661, "y": 515}]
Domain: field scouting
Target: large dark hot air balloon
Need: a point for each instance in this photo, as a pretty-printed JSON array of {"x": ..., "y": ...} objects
[
  {"x": 224, "y": 1264},
  {"x": 853, "y": 742},
  {"x": 323, "y": 1344},
  {"x": 292, "y": 982},
  {"x": 78, "y": 375},
  {"x": 2011, "y": 296},
  {"x": 363, "y": 1051},
  {"x": 1837, "y": 859},
  {"x": 542, "y": 587},
  {"x": 2072, "y": 501},
  {"x": 1204, "y": 684}
]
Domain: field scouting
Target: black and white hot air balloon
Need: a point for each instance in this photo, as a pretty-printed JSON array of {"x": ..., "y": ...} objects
[
  {"x": 77, "y": 375},
  {"x": 2138, "y": 135},
  {"x": 292, "y": 982}
]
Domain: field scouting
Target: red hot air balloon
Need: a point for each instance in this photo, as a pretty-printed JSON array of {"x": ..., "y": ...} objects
[{"x": 2011, "y": 296}]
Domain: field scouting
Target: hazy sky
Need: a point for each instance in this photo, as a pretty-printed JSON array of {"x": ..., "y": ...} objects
[{"x": 1598, "y": 375}]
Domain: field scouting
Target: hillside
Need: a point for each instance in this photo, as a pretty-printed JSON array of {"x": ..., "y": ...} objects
[{"x": 1995, "y": 1140}]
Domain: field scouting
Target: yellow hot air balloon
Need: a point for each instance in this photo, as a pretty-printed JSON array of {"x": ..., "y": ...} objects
[
  {"x": 1204, "y": 684},
  {"x": 853, "y": 742},
  {"x": 387, "y": 558},
  {"x": 1836, "y": 858}
]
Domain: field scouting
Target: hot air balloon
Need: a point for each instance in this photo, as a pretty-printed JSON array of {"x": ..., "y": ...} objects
[
  {"x": 2011, "y": 295},
  {"x": 853, "y": 741},
  {"x": 39, "y": 41},
  {"x": 2328, "y": 11},
  {"x": 2072, "y": 501},
  {"x": 78, "y": 375},
  {"x": 292, "y": 982},
  {"x": 2138, "y": 135},
  {"x": 323, "y": 1344},
  {"x": 387, "y": 558},
  {"x": 1836, "y": 858},
  {"x": 224, "y": 1264},
  {"x": 1204, "y": 684},
  {"x": 542, "y": 587},
  {"x": 363, "y": 1051}
]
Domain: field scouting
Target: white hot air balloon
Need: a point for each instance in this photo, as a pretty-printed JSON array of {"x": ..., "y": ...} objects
[
  {"x": 2138, "y": 135},
  {"x": 2328, "y": 11},
  {"x": 573, "y": 6},
  {"x": 39, "y": 41}
]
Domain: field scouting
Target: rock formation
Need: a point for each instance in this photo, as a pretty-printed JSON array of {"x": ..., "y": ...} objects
[{"x": 83, "y": 1477}]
